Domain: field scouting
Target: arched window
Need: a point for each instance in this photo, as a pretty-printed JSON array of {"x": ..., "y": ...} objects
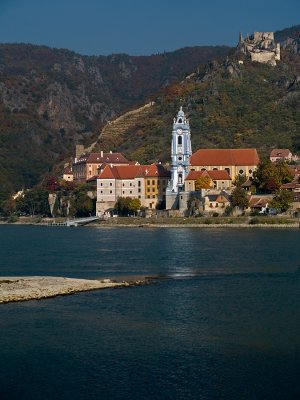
[
  {"x": 179, "y": 141},
  {"x": 179, "y": 178},
  {"x": 180, "y": 121}
]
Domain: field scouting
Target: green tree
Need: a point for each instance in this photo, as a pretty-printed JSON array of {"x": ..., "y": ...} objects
[
  {"x": 34, "y": 202},
  {"x": 134, "y": 205},
  {"x": 239, "y": 180},
  {"x": 239, "y": 198},
  {"x": 122, "y": 205},
  {"x": 81, "y": 205},
  {"x": 282, "y": 200}
]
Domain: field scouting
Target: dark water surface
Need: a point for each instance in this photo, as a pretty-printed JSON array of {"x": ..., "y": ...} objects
[{"x": 225, "y": 324}]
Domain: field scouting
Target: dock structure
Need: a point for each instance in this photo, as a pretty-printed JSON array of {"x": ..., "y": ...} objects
[{"x": 75, "y": 222}]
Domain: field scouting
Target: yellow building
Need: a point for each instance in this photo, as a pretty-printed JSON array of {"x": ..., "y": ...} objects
[{"x": 234, "y": 161}]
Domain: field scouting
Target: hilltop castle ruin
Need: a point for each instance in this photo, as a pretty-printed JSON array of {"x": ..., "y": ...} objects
[{"x": 261, "y": 47}]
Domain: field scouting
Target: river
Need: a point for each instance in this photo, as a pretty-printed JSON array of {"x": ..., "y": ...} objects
[{"x": 221, "y": 321}]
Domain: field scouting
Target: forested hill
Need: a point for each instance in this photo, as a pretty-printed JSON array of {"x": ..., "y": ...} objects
[
  {"x": 230, "y": 103},
  {"x": 51, "y": 99}
]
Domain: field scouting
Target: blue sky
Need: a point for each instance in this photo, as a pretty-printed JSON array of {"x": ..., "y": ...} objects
[{"x": 139, "y": 27}]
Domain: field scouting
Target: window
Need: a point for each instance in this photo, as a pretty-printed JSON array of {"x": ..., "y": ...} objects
[
  {"x": 179, "y": 178},
  {"x": 228, "y": 170},
  {"x": 203, "y": 169},
  {"x": 179, "y": 141},
  {"x": 241, "y": 172},
  {"x": 130, "y": 184},
  {"x": 110, "y": 184},
  {"x": 250, "y": 171},
  {"x": 153, "y": 189},
  {"x": 148, "y": 182},
  {"x": 123, "y": 192},
  {"x": 148, "y": 189},
  {"x": 180, "y": 158},
  {"x": 153, "y": 182},
  {"x": 139, "y": 183},
  {"x": 215, "y": 169},
  {"x": 139, "y": 197},
  {"x": 110, "y": 191},
  {"x": 101, "y": 184},
  {"x": 130, "y": 192},
  {"x": 164, "y": 182},
  {"x": 139, "y": 190}
]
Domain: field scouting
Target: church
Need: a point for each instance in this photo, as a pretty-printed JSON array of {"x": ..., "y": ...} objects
[{"x": 221, "y": 165}]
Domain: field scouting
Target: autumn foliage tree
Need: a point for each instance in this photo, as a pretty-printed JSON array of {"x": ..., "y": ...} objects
[{"x": 203, "y": 182}]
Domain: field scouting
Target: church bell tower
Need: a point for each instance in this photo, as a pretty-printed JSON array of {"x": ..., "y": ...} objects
[{"x": 181, "y": 150}]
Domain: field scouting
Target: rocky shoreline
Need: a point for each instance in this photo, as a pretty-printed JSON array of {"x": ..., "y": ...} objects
[{"x": 13, "y": 289}]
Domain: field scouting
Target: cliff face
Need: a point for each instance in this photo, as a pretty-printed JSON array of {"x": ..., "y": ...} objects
[{"x": 51, "y": 99}]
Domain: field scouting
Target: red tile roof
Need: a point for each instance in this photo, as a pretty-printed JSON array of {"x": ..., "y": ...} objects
[
  {"x": 133, "y": 171},
  {"x": 214, "y": 175},
  {"x": 212, "y": 157},
  {"x": 280, "y": 153},
  {"x": 259, "y": 201},
  {"x": 109, "y": 158}
]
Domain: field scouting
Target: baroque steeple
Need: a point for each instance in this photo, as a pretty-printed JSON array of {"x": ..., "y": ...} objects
[{"x": 181, "y": 150}]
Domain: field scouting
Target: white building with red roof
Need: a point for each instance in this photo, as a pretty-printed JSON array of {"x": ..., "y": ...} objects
[
  {"x": 281, "y": 154},
  {"x": 144, "y": 182}
]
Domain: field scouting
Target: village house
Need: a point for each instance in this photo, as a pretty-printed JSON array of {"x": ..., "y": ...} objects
[
  {"x": 216, "y": 202},
  {"x": 88, "y": 166},
  {"x": 67, "y": 174},
  {"x": 234, "y": 161},
  {"x": 281, "y": 154},
  {"x": 259, "y": 203}
]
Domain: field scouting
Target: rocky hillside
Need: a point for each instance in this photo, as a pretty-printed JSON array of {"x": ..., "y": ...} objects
[
  {"x": 230, "y": 103},
  {"x": 51, "y": 99}
]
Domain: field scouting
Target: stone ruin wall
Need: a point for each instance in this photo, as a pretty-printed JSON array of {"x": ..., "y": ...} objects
[{"x": 261, "y": 47}]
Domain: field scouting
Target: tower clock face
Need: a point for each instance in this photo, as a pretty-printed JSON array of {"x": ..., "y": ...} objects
[{"x": 179, "y": 131}]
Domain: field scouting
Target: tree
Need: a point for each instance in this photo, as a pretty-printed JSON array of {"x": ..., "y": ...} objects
[
  {"x": 82, "y": 205},
  {"x": 239, "y": 198},
  {"x": 122, "y": 205},
  {"x": 282, "y": 200},
  {"x": 239, "y": 180},
  {"x": 203, "y": 182},
  {"x": 134, "y": 205},
  {"x": 270, "y": 176},
  {"x": 35, "y": 201},
  {"x": 8, "y": 207}
]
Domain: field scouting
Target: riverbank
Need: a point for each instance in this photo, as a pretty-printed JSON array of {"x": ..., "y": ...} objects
[
  {"x": 176, "y": 222},
  {"x": 13, "y": 289}
]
